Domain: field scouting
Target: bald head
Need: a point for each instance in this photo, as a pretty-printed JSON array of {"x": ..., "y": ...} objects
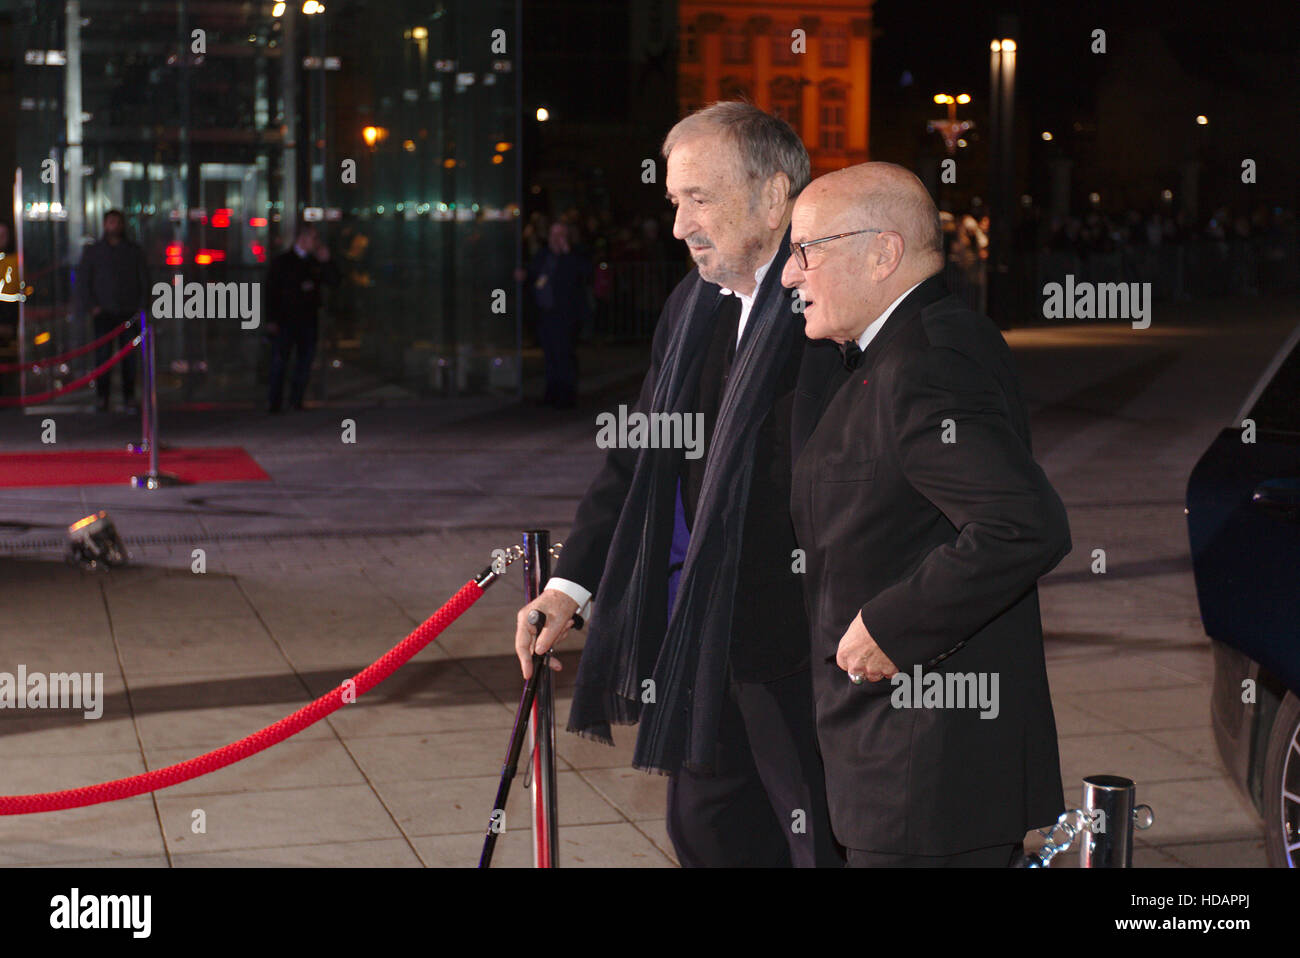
[
  {"x": 888, "y": 197},
  {"x": 848, "y": 282}
]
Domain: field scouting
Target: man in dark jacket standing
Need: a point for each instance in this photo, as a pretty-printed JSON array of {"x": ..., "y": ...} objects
[
  {"x": 113, "y": 286},
  {"x": 927, "y": 524},
  {"x": 293, "y": 296},
  {"x": 698, "y": 632},
  {"x": 559, "y": 275}
]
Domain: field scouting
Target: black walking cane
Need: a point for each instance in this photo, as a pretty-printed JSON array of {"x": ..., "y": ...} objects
[{"x": 541, "y": 664}]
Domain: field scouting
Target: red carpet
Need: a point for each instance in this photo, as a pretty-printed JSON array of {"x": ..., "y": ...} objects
[{"x": 109, "y": 467}]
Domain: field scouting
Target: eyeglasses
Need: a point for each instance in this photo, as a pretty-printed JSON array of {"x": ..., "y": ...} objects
[{"x": 801, "y": 257}]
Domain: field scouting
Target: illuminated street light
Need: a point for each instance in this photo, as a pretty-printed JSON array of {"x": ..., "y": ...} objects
[
  {"x": 1047, "y": 135},
  {"x": 543, "y": 114},
  {"x": 951, "y": 102},
  {"x": 278, "y": 10},
  {"x": 312, "y": 7},
  {"x": 420, "y": 33},
  {"x": 1202, "y": 120},
  {"x": 950, "y": 128}
]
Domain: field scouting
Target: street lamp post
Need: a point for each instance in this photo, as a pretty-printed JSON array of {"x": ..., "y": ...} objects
[
  {"x": 951, "y": 129},
  {"x": 1002, "y": 85},
  {"x": 288, "y": 115},
  {"x": 320, "y": 193}
]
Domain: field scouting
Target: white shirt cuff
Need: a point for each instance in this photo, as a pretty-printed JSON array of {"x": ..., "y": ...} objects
[{"x": 575, "y": 592}]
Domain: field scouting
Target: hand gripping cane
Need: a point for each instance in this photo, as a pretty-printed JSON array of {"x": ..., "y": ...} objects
[{"x": 541, "y": 667}]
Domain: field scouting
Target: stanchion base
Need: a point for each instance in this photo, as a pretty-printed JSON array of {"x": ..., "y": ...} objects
[
  {"x": 143, "y": 447},
  {"x": 156, "y": 481}
]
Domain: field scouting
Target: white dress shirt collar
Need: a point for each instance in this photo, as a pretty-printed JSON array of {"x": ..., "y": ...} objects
[
  {"x": 747, "y": 301},
  {"x": 870, "y": 332}
]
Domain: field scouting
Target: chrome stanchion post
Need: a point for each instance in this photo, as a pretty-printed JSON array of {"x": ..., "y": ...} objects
[
  {"x": 145, "y": 400},
  {"x": 1108, "y": 801},
  {"x": 537, "y": 569},
  {"x": 151, "y": 382},
  {"x": 153, "y": 479},
  {"x": 22, "y": 285}
]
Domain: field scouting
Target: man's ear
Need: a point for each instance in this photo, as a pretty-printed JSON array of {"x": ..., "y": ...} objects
[
  {"x": 776, "y": 196},
  {"x": 889, "y": 255}
]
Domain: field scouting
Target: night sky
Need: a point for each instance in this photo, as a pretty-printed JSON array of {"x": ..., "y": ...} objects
[
  {"x": 1127, "y": 118},
  {"x": 944, "y": 44}
]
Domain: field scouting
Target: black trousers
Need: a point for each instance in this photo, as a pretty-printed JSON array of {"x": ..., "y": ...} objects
[
  {"x": 104, "y": 322},
  {"x": 558, "y": 335},
  {"x": 766, "y": 805},
  {"x": 995, "y": 856},
  {"x": 300, "y": 339}
]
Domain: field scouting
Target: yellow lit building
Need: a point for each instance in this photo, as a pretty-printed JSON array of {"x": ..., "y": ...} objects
[{"x": 808, "y": 62}]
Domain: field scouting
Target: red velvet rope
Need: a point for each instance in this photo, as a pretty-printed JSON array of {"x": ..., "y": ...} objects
[
  {"x": 359, "y": 684},
  {"x": 73, "y": 354},
  {"x": 76, "y": 384}
]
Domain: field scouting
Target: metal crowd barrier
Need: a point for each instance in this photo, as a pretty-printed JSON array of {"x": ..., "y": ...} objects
[
  {"x": 149, "y": 443},
  {"x": 1104, "y": 823}
]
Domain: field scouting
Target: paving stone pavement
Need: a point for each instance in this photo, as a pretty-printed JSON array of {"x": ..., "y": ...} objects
[{"x": 311, "y": 576}]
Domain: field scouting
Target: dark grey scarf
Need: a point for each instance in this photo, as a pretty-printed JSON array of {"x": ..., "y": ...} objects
[{"x": 631, "y": 638}]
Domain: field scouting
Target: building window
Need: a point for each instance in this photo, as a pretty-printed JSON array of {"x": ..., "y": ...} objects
[
  {"x": 783, "y": 45},
  {"x": 786, "y": 100},
  {"x": 835, "y": 45},
  {"x": 690, "y": 93},
  {"x": 833, "y": 117},
  {"x": 690, "y": 44},
  {"x": 733, "y": 88},
  {"x": 735, "y": 44}
]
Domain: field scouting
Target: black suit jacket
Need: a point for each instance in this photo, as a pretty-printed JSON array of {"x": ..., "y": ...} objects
[
  {"x": 770, "y": 628},
  {"x": 293, "y": 288},
  {"x": 939, "y": 544}
]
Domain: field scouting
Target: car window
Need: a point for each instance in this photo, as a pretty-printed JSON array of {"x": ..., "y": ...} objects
[{"x": 1278, "y": 407}]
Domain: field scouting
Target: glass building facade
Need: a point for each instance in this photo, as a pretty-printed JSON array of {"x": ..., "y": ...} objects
[{"x": 214, "y": 124}]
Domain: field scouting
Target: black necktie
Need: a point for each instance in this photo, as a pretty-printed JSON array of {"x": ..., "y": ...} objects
[{"x": 851, "y": 354}]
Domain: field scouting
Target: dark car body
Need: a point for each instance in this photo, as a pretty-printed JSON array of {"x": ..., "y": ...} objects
[{"x": 1243, "y": 517}]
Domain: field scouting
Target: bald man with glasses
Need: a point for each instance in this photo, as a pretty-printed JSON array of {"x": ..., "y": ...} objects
[{"x": 927, "y": 524}]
